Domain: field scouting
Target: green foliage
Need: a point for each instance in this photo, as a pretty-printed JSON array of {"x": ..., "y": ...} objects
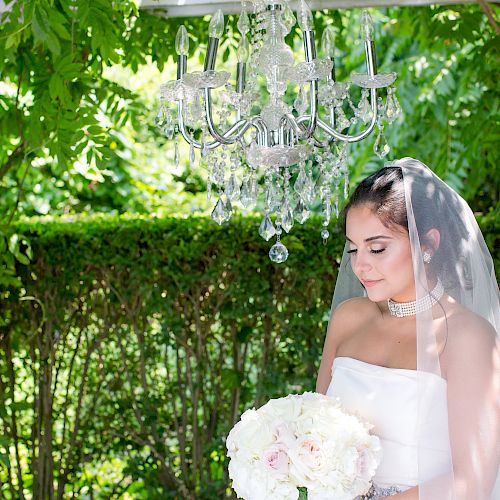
[
  {"x": 137, "y": 342},
  {"x": 156, "y": 334},
  {"x": 132, "y": 344},
  {"x": 73, "y": 140}
]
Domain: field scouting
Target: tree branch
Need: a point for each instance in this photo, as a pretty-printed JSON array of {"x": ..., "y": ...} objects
[
  {"x": 11, "y": 160},
  {"x": 489, "y": 14}
]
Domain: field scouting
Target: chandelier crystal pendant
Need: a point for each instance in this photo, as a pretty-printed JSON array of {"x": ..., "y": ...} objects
[{"x": 262, "y": 131}]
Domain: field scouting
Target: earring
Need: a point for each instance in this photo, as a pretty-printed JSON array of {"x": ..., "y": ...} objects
[{"x": 427, "y": 257}]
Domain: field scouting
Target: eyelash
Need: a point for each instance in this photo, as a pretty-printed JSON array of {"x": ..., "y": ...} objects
[{"x": 372, "y": 251}]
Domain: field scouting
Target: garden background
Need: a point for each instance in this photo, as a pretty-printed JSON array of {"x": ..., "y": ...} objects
[{"x": 133, "y": 329}]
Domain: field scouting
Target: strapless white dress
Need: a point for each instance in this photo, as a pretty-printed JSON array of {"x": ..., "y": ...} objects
[{"x": 387, "y": 398}]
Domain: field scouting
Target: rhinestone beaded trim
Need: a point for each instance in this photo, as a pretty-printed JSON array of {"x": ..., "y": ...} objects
[
  {"x": 378, "y": 492},
  {"x": 402, "y": 309}
]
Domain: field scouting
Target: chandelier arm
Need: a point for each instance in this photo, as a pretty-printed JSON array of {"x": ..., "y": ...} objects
[
  {"x": 260, "y": 125},
  {"x": 187, "y": 137},
  {"x": 352, "y": 138},
  {"x": 182, "y": 127},
  {"x": 226, "y": 137},
  {"x": 313, "y": 117},
  {"x": 290, "y": 119},
  {"x": 190, "y": 140}
]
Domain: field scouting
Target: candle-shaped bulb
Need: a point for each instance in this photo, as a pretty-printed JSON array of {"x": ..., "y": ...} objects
[
  {"x": 243, "y": 50},
  {"x": 243, "y": 23},
  {"x": 305, "y": 17},
  {"x": 182, "y": 41},
  {"x": 216, "y": 26},
  {"x": 328, "y": 42},
  {"x": 367, "y": 31},
  {"x": 288, "y": 18}
]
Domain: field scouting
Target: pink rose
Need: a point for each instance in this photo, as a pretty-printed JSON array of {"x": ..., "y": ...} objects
[
  {"x": 312, "y": 454},
  {"x": 275, "y": 459}
]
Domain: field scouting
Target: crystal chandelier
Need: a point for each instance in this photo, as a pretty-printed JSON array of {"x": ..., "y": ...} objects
[{"x": 301, "y": 157}]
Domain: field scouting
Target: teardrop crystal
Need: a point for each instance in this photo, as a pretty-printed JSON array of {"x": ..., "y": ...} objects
[
  {"x": 302, "y": 213},
  {"x": 160, "y": 116},
  {"x": 308, "y": 192},
  {"x": 243, "y": 23},
  {"x": 381, "y": 147},
  {"x": 286, "y": 217},
  {"x": 364, "y": 111},
  {"x": 272, "y": 198},
  {"x": 266, "y": 229},
  {"x": 392, "y": 109},
  {"x": 288, "y": 17},
  {"x": 219, "y": 213},
  {"x": 300, "y": 182},
  {"x": 246, "y": 195},
  {"x": 300, "y": 103},
  {"x": 232, "y": 188}
]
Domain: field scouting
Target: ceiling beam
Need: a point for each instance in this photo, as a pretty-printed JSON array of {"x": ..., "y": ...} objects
[{"x": 187, "y": 8}]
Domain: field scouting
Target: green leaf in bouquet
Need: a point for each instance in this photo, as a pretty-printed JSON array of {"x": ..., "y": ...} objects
[{"x": 302, "y": 493}]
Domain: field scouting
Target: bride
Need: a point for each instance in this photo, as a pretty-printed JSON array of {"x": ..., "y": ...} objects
[{"x": 412, "y": 343}]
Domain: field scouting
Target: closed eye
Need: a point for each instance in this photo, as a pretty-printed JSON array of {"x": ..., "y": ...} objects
[{"x": 372, "y": 251}]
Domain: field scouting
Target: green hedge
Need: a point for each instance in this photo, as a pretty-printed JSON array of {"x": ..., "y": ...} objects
[{"x": 136, "y": 343}]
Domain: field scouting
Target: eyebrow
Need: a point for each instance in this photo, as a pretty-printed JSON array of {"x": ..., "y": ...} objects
[{"x": 371, "y": 238}]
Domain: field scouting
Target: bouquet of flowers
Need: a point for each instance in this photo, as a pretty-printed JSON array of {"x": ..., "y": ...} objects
[{"x": 301, "y": 445}]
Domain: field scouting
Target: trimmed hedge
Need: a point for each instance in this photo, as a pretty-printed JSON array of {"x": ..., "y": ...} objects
[{"x": 138, "y": 342}]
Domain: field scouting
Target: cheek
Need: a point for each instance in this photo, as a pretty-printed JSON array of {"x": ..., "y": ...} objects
[{"x": 402, "y": 263}]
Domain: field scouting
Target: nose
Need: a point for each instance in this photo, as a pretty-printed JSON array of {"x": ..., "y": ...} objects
[{"x": 360, "y": 263}]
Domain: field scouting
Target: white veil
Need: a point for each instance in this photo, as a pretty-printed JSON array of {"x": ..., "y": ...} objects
[{"x": 457, "y": 340}]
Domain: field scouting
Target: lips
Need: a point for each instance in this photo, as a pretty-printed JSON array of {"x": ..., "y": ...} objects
[{"x": 368, "y": 283}]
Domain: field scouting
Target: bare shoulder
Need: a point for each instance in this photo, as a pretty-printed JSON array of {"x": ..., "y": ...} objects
[
  {"x": 357, "y": 307},
  {"x": 350, "y": 314},
  {"x": 347, "y": 318},
  {"x": 471, "y": 339},
  {"x": 468, "y": 329}
]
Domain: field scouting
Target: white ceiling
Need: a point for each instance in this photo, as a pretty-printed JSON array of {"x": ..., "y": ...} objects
[{"x": 185, "y": 8}]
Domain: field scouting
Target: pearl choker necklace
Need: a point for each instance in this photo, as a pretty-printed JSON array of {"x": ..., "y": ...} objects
[{"x": 402, "y": 309}]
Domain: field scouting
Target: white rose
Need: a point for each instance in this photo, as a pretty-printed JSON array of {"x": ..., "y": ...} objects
[
  {"x": 288, "y": 408},
  {"x": 308, "y": 460},
  {"x": 250, "y": 435},
  {"x": 242, "y": 478}
]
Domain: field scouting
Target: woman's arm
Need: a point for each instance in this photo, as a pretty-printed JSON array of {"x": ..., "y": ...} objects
[
  {"x": 411, "y": 494},
  {"x": 472, "y": 366},
  {"x": 325, "y": 368},
  {"x": 339, "y": 327}
]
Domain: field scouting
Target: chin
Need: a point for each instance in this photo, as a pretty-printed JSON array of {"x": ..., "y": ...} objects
[{"x": 377, "y": 295}]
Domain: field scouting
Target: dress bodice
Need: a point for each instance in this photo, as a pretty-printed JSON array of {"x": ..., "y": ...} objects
[{"x": 414, "y": 439}]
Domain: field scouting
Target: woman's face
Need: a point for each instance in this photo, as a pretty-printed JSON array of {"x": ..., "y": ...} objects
[{"x": 380, "y": 257}]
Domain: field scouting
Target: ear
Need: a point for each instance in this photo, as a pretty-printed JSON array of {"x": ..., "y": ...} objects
[{"x": 432, "y": 239}]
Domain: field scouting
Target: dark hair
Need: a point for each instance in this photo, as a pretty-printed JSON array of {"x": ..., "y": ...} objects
[{"x": 384, "y": 193}]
